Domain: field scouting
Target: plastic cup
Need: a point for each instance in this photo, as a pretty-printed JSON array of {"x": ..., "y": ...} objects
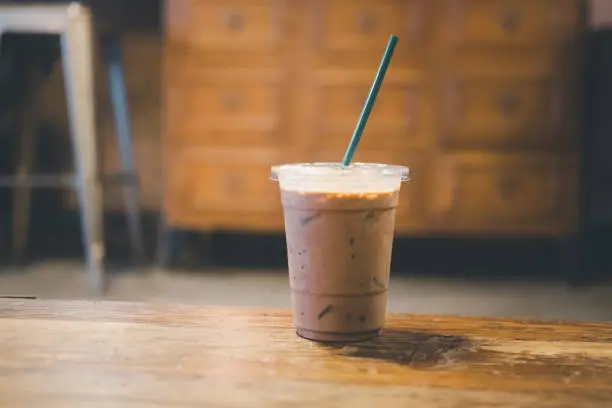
[{"x": 339, "y": 225}]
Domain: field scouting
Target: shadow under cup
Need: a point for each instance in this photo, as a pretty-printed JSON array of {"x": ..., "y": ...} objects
[{"x": 339, "y": 225}]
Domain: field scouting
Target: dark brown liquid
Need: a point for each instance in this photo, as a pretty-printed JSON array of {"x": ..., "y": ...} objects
[{"x": 339, "y": 250}]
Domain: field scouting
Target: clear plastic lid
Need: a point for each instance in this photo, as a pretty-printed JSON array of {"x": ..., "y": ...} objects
[{"x": 334, "y": 177}]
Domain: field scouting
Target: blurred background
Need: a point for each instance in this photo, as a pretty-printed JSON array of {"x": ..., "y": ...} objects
[{"x": 500, "y": 109}]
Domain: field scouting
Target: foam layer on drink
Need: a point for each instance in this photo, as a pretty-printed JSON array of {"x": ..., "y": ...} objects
[{"x": 333, "y": 177}]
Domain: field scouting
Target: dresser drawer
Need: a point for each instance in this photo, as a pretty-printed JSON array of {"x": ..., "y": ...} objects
[
  {"x": 477, "y": 192},
  {"x": 222, "y": 184},
  {"x": 475, "y": 23},
  {"x": 365, "y": 24},
  {"x": 247, "y": 25},
  {"x": 393, "y": 123},
  {"x": 248, "y": 113},
  {"x": 355, "y": 32},
  {"x": 518, "y": 111}
]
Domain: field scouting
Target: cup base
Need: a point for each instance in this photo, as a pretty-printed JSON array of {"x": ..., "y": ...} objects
[{"x": 335, "y": 337}]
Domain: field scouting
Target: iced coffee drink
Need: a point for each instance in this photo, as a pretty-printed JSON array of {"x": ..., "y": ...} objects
[{"x": 339, "y": 224}]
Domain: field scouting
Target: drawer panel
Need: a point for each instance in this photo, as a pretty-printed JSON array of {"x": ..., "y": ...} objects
[
  {"x": 200, "y": 186},
  {"x": 251, "y": 25},
  {"x": 355, "y": 32},
  {"x": 393, "y": 122},
  {"x": 500, "y": 192},
  {"x": 246, "y": 113},
  {"x": 364, "y": 24},
  {"x": 515, "y": 111},
  {"x": 476, "y": 23}
]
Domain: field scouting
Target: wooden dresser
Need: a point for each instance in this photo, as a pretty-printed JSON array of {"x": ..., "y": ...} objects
[{"x": 480, "y": 101}]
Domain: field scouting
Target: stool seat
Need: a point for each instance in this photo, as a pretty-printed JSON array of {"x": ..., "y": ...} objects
[
  {"x": 108, "y": 14},
  {"x": 38, "y": 19}
]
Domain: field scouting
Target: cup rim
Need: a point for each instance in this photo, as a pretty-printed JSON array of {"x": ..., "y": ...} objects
[{"x": 402, "y": 171}]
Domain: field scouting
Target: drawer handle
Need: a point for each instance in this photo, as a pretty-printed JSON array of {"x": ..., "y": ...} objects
[
  {"x": 366, "y": 22},
  {"x": 507, "y": 188},
  {"x": 235, "y": 21},
  {"x": 510, "y": 20},
  {"x": 233, "y": 102},
  {"x": 508, "y": 103}
]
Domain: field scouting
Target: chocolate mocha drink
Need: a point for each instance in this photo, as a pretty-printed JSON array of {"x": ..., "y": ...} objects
[
  {"x": 339, "y": 242},
  {"x": 339, "y": 250}
]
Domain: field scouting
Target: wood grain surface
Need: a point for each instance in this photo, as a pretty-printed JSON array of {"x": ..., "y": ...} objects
[{"x": 99, "y": 354}]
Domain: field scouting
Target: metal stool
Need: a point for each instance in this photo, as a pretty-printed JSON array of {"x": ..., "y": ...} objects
[{"x": 73, "y": 23}]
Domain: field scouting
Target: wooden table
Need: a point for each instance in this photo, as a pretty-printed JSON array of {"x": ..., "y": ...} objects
[{"x": 99, "y": 354}]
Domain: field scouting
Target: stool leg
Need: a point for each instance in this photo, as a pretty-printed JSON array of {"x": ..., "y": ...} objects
[
  {"x": 77, "y": 58},
  {"x": 28, "y": 121},
  {"x": 111, "y": 50}
]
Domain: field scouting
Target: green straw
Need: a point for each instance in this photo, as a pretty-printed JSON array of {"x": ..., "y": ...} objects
[{"x": 369, "y": 103}]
